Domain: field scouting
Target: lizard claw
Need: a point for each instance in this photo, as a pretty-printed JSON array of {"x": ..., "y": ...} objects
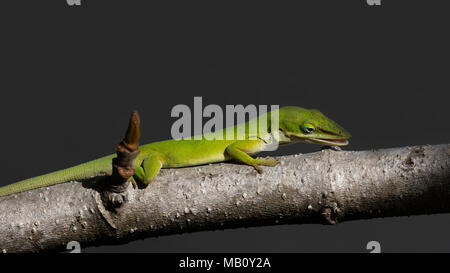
[
  {"x": 334, "y": 148},
  {"x": 258, "y": 169},
  {"x": 133, "y": 182}
]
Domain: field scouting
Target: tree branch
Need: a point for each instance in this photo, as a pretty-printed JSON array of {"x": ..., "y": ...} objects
[
  {"x": 322, "y": 187},
  {"x": 122, "y": 165}
]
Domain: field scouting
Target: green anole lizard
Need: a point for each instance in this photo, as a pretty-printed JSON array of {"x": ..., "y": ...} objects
[{"x": 295, "y": 124}]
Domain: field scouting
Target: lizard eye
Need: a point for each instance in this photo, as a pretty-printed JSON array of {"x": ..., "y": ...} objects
[{"x": 308, "y": 128}]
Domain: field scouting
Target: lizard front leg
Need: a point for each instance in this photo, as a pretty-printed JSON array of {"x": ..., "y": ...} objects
[{"x": 240, "y": 149}]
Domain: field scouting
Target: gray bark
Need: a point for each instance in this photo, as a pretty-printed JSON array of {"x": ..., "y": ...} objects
[{"x": 322, "y": 187}]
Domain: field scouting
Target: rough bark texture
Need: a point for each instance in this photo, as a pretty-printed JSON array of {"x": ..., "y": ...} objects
[{"x": 323, "y": 187}]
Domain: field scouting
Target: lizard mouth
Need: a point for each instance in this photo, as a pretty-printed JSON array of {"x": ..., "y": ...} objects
[{"x": 332, "y": 142}]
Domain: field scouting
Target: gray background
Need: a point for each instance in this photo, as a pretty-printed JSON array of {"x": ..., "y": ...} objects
[{"x": 70, "y": 76}]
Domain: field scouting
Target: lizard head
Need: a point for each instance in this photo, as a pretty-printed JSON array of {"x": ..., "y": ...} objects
[{"x": 310, "y": 125}]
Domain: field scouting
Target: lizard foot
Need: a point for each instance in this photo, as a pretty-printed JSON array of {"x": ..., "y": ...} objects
[{"x": 267, "y": 161}]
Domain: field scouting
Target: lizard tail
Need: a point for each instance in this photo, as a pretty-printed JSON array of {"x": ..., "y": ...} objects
[{"x": 92, "y": 168}]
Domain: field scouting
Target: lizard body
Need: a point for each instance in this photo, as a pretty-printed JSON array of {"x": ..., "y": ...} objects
[{"x": 295, "y": 124}]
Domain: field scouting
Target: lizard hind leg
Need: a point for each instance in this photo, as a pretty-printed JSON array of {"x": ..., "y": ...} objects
[{"x": 149, "y": 168}]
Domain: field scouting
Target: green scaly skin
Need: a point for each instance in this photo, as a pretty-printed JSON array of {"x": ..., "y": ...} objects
[{"x": 295, "y": 124}]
